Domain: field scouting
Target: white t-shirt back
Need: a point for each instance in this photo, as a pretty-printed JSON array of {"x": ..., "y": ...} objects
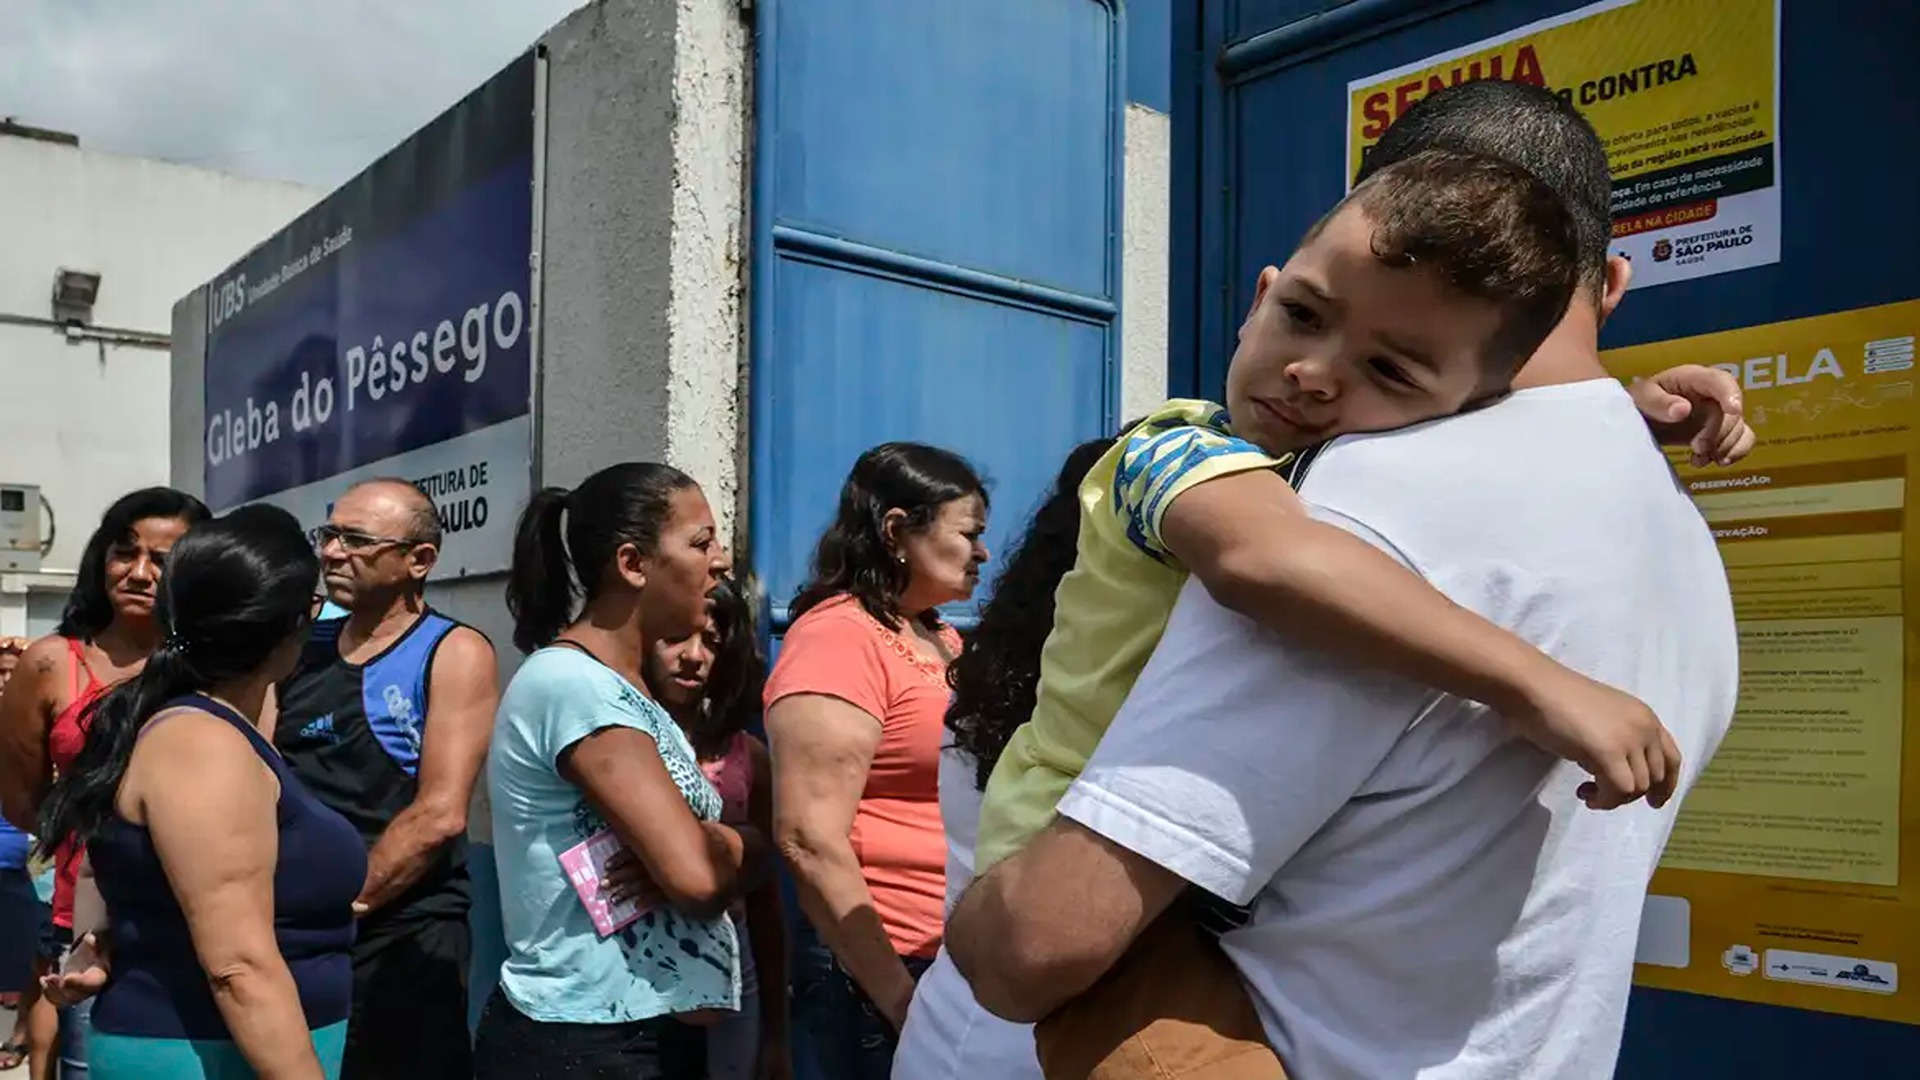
[
  {"x": 948, "y": 1035},
  {"x": 1430, "y": 898}
]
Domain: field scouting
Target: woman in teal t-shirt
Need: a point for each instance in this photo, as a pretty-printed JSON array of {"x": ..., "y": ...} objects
[{"x": 578, "y": 747}]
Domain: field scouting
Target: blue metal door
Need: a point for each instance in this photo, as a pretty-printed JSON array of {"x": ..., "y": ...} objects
[
  {"x": 1260, "y": 130},
  {"x": 936, "y": 215}
]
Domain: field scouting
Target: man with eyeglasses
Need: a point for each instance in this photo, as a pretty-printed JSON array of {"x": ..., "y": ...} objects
[{"x": 387, "y": 718}]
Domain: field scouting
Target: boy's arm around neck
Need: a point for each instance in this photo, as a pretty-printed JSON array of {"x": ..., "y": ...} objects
[{"x": 1250, "y": 540}]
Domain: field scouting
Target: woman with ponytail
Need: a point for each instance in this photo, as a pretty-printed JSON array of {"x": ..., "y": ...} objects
[
  {"x": 104, "y": 636},
  {"x": 228, "y": 887},
  {"x": 600, "y": 576}
]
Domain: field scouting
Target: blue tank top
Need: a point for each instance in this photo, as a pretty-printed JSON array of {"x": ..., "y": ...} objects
[
  {"x": 157, "y": 988},
  {"x": 352, "y": 734}
]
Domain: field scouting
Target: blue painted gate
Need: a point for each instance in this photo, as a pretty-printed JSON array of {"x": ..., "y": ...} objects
[
  {"x": 1259, "y": 134},
  {"x": 936, "y": 221}
]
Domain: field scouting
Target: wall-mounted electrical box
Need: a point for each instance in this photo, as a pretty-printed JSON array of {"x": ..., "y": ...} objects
[{"x": 20, "y": 539}]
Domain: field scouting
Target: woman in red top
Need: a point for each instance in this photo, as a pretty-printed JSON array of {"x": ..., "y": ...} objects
[
  {"x": 105, "y": 636},
  {"x": 855, "y": 709}
]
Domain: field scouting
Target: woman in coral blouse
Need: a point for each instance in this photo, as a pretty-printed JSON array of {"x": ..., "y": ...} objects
[{"x": 855, "y": 710}]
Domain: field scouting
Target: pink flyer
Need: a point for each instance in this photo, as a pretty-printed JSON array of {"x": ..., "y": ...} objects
[{"x": 585, "y": 864}]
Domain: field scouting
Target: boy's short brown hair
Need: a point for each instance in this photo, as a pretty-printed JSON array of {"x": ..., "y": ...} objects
[{"x": 1492, "y": 229}]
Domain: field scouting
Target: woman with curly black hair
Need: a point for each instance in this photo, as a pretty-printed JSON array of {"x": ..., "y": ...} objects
[
  {"x": 948, "y": 1036},
  {"x": 997, "y": 675}
]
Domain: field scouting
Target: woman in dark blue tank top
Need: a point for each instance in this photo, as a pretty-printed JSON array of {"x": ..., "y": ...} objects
[{"x": 229, "y": 888}]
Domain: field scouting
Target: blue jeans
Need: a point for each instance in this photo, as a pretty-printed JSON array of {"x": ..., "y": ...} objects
[
  {"x": 73, "y": 1020},
  {"x": 838, "y": 1032}
]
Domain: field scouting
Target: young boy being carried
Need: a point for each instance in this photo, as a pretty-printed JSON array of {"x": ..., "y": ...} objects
[{"x": 1419, "y": 296}]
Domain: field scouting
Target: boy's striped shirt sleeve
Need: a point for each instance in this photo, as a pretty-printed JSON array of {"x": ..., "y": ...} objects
[{"x": 1168, "y": 454}]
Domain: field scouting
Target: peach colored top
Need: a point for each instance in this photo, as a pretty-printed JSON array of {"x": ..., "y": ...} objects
[{"x": 838, "y": 650}]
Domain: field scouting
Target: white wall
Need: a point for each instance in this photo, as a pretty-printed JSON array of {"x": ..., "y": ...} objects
[
  {"x": 152, "y": 230},
  {"x": 87, "y": 420}
]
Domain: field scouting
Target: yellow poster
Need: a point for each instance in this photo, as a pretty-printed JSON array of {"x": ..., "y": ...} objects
[
  {"x": 1685, "y": 95},
  {"x": 1793, "y": 873}
]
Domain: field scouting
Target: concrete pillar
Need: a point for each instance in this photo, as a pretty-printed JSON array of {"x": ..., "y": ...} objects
[
  {"x": 643, "y": 254},
  {"x": 1146, "y": 217}
]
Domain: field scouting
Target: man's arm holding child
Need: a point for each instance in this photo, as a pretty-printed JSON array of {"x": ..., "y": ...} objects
[{"x": 1233, "y": 749}]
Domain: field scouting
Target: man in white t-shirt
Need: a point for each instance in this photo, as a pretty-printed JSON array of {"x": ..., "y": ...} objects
[{"x": 1430, "y": 898}]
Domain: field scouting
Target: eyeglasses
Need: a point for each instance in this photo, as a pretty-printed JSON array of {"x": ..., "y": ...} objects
[{"x": 354, "y": 540}]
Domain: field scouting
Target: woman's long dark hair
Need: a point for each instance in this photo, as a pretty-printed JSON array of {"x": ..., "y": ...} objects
[
  {"x": 619, "y": 505},
  {"x": 89, "y": 610},
  {"x": 852, "y": 557},
  {"x": 236, "y": 588},
  {"x": 996, "y": 677},
  {"x": 731, "y": 701}
]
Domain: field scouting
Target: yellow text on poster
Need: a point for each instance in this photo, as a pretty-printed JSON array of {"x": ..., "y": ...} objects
[
  {"x": 1664, "y": 82},
  {"x": 1793, "y": 873}
]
